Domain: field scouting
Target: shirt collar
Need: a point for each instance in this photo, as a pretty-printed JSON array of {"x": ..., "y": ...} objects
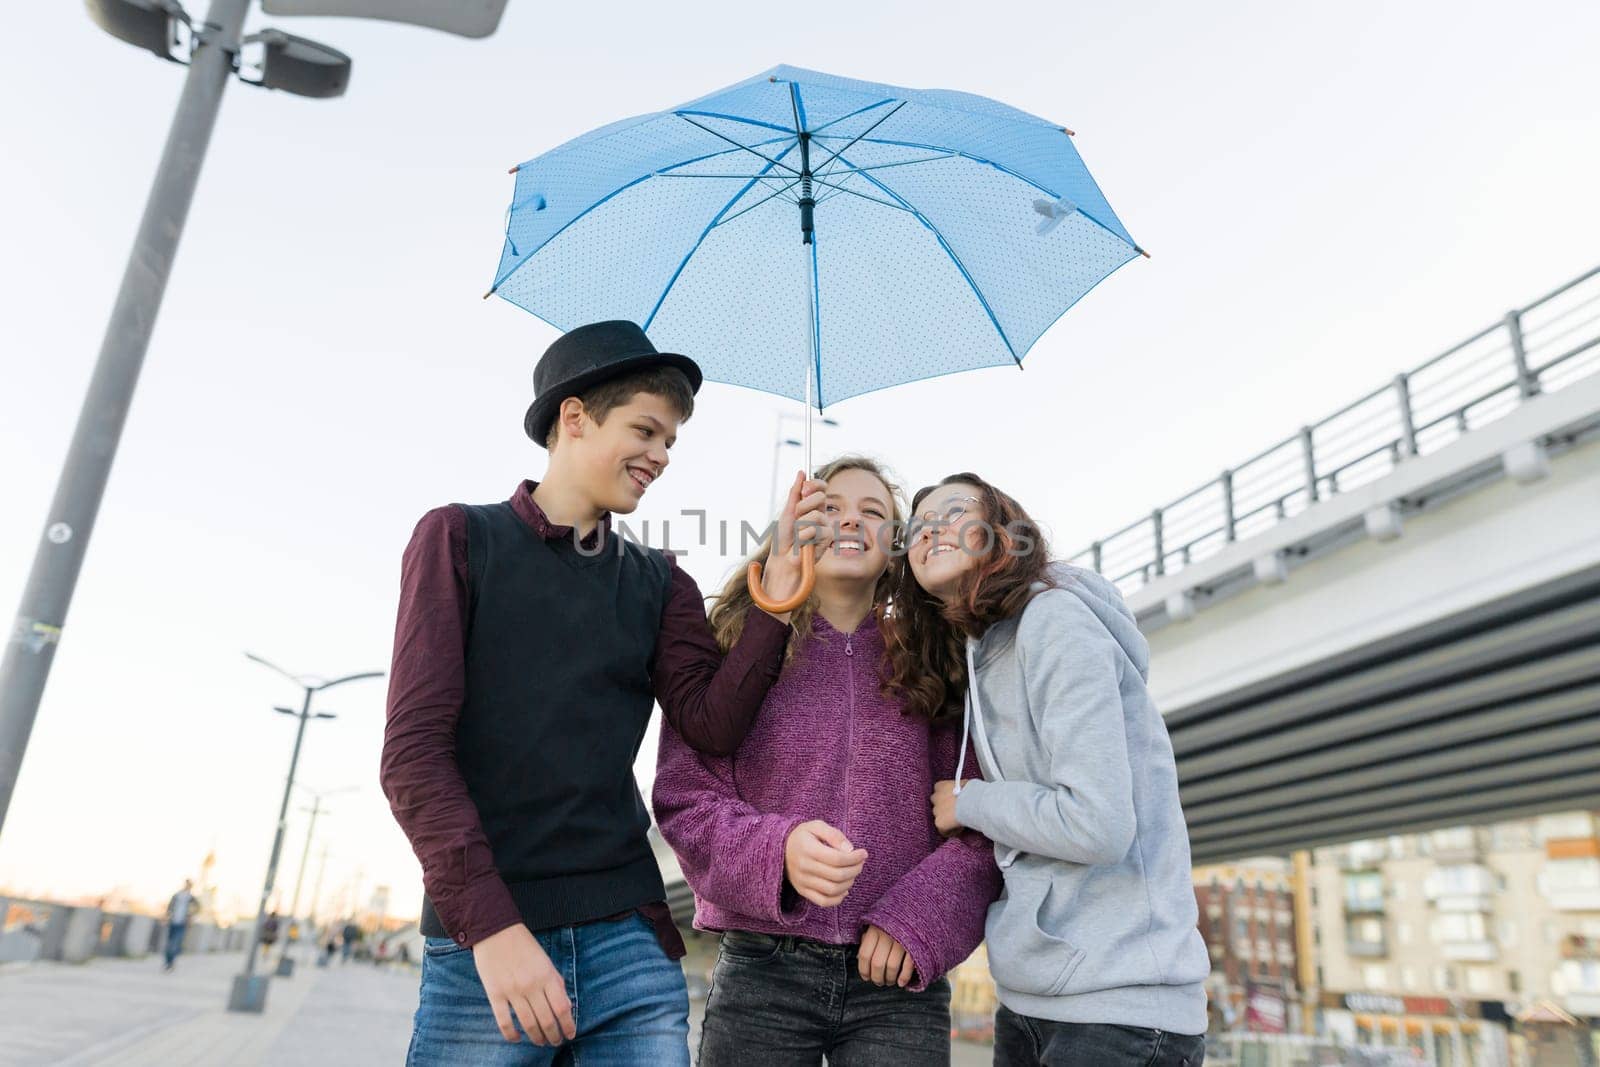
[{"x": 529, "y": 511}]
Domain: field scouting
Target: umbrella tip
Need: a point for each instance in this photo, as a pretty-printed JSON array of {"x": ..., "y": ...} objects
[
  {"x": 1068, "y": 132},
  {"x": 488, "y": 294},
  {"x": 1141, "y": 251},
  {"x": 514, "y": 169}
]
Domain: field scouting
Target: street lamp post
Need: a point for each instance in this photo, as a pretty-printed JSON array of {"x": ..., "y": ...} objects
[
  {"x": 250, "y": 990},
  {"x": 781, "y": 442},
  {"x": 285, "y": 961},
  {"x": 316, "y": 897},
  {"x": 212, "y": 50}
]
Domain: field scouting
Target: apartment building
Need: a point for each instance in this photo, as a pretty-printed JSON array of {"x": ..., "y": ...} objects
[
  {"x": 1434, "y": 938},
  {"x": 1247, "y": 920}
]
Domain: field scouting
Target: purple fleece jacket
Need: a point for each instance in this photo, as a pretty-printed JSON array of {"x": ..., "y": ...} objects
[{"x": 828, "y": 745}]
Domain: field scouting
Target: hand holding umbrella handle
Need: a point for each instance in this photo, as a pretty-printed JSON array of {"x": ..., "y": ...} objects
[{"x": 808, "y": 579}]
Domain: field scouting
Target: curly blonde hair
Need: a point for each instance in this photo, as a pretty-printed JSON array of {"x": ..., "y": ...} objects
[{"x": 732, "y": 606}]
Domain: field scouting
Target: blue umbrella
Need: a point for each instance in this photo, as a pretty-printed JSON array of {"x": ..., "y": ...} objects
[{"x": 937, "y": 232}]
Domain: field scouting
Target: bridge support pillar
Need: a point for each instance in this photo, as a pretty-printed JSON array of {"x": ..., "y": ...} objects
[
  {"x": 1180, "y": 607},
  {"x": 1271, "y": 570},
  {"x": 1384, "y": 523},
  {"x": 1526, "y": 463}
]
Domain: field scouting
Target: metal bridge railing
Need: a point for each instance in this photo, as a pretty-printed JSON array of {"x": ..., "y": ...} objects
[{"x": 1540, "y": 348}]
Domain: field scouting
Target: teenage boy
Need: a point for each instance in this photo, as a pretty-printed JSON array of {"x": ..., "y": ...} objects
[{"x": 529, "y": 646}]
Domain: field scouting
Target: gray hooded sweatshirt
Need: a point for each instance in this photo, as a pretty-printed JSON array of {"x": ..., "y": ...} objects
[{"x": 1098, "y": 920}]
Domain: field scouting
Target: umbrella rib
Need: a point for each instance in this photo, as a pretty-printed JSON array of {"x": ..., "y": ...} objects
[
  {"x": 736, "y": 144},
  {"x": 523, "y": 260},
  {"x": 746, "y": 210},
  {"x": 851, "y": 115},
  {"x": 1002, "y": 168},
  {"x": 898, "y": 163},
  {"x": 735, "y": 118},
  {"x": 702, "y": 238},
  {"x": 869, "y": 199},
  {"x": 665, "y": 172},
  {"x": 859, "y": 136},
  {"x": 951, "y": 252}
]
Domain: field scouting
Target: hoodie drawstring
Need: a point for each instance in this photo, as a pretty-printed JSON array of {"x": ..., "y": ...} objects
[{"x": 966, "y": 714}]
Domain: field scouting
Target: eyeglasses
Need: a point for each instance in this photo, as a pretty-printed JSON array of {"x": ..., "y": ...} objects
[{"x": 953, "y": 513}]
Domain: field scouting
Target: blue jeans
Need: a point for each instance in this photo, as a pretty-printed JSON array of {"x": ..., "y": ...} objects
[
  {"x": 788, "y": 1002},
  {"x": 629, "y": 1002},
  {"x": 175, "y": 932}
]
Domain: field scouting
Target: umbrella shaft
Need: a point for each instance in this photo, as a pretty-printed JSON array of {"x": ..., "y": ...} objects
[{"x": 807, "y": 203}]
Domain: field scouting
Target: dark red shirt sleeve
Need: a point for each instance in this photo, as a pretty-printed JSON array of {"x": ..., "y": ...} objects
[
  {"x": 418, "y": 771},
  {"x": 710, "y": 699}
]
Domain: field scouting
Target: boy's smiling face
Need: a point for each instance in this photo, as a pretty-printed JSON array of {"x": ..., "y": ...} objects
[{"x": 617, "y": 460}]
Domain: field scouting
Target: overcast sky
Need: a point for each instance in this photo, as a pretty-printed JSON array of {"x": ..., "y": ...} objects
[{"x": 1330, "y": 193}]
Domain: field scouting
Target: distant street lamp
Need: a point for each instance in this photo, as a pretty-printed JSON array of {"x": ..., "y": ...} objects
[
  {"x": 214, "y": 50},
  {"x": 780, "y": 444},
  {"x": 249, "y": 989},
  {"x": 285, "y": 961}
]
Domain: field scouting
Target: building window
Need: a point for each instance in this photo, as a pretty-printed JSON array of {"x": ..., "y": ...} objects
[
  {"x": 1321, "y": 982},
  {"x": 1480, "y": 980},
  {"x": 1514, "y": 981},
  {"x": 1508, "y": 932},
  {"x": 1402, "y": 932},
  {"x": 1375, "y": 976},
  {"x": 1408, "y": 977}
]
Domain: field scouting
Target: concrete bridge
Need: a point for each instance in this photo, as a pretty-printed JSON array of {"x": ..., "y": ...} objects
[{"x": 1391, "y": 620}]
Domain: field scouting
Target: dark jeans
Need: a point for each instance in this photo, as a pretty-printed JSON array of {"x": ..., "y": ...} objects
[
  {"x": 787, "y": 1002},
  {"x": 1022, "y": 1041},
  {"x": 175, "y": 932}
]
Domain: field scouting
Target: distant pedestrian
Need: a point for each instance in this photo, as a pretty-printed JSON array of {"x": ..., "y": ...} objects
[
  {"x": 180, "y": 909},
  {"x": 269, "y": 934},
  {"x": 352, "y": 937},
  {"x": 330, "y": 949}
]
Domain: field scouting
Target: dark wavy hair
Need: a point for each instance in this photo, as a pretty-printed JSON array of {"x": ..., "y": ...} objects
[{"x": 926, "y": 637}]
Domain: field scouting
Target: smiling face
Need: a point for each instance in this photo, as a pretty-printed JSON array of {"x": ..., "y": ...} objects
[
  {"x": 619, "y": 459},
  {"x": 950, "y": 538},
  {"x": 859, "y": 510}
]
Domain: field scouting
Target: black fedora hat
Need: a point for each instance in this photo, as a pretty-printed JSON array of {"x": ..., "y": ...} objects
[{"x": 584, "y": 357}]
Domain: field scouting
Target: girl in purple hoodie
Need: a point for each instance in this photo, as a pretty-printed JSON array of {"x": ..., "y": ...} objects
[{"x": 811, "y": 848}]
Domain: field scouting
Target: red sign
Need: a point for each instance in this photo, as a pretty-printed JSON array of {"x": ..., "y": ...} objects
[{"x": 1266, "y": 1012}]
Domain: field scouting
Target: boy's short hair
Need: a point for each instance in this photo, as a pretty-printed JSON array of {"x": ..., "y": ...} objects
[{"x": 669, "y": 383}]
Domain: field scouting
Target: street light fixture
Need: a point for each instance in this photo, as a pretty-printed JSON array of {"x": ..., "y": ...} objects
[
  {"x": 211, "y": 50},
  {"x": 250, "y": 989}
]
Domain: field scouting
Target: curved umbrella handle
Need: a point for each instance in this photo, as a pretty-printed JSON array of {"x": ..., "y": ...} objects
[{"x": 808, "y": 580}]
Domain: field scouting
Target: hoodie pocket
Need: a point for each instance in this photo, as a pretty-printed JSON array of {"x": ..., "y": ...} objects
[{"x": 1023, "y": 956}]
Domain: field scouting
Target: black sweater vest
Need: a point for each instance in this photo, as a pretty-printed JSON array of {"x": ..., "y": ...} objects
[{"x": 560, "y": 643}]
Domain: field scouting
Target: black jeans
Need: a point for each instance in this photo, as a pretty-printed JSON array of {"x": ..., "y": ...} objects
[
  {"x": 1022, "y": 1041},
  {"x": 787, "y": 1002}
]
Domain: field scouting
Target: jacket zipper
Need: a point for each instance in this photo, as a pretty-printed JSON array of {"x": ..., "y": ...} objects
[{"x": 849, "y": 754}]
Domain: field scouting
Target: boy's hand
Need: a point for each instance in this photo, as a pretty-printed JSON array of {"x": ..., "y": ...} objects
[
  {"x": 519, "y": 978},
  {"x": 883, "y": 960},
  {"x": 820, "y": 863},
  {"x": 944, "y": 808},
  {"x": 801, "y": 522}
]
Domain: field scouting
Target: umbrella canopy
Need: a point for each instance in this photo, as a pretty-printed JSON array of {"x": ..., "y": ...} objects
[{"x": 950, "y": 231}]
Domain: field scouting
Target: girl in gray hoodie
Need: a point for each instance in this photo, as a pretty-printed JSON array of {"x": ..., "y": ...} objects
[{"x": 1093, "y": 946}]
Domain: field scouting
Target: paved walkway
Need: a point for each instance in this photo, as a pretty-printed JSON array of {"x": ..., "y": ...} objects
[{"x": 129, "y": 1013}]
